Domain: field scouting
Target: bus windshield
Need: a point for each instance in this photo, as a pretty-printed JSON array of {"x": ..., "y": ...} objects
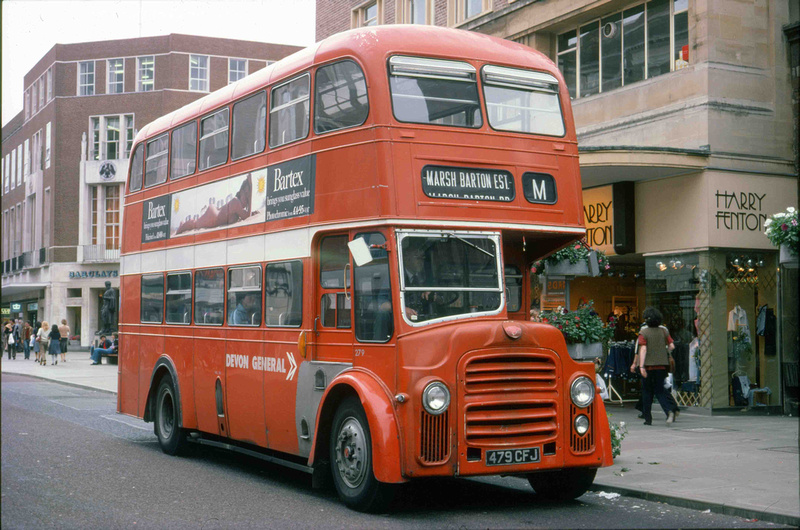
[{"x": 448, "y": 274}]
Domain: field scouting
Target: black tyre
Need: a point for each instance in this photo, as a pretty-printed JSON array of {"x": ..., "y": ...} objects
[
  {"x": 171, "y": 437},
  {"x": 562, "y": 485},
  {"x": 351, "y": 460}
]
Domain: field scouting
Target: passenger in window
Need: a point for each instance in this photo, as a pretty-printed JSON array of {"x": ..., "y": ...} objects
[{"x": 247, "y": 307}]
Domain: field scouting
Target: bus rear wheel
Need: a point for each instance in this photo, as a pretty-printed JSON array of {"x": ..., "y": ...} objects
[
  {"x": 562, "y": 485},
  {"x": 171, "y": 437},
  {"x": 352, "y": 460}
]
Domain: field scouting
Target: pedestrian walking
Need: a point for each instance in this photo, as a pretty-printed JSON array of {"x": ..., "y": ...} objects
[
  {"x": 37, "y": 326},
  {"x": 635, "y": 369},
  {"x": 655, "y": 359},
  {"x": 43, "y": 342},
  {"x": 63, "y": 329},
  {"x": 18, "y": 335},
  {"x": 55, "y": 344},
  {"x": 8, "y": 340},
  {"x": 27, "y": 333}
]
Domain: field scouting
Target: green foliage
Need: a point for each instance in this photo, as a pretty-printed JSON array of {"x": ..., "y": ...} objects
[
  {"x": 581, "y": 325},
  {"x": 782, "y": 229},
  {"x": 618, "y": 432}
]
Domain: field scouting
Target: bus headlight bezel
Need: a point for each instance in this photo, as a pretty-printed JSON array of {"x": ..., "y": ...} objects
[
  {"x": 436, "y": 392},
  {"x": 578, "y": 390}
]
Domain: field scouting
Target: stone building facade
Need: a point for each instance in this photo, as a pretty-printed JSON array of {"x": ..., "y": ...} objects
[{"x": 65, "y": 158}]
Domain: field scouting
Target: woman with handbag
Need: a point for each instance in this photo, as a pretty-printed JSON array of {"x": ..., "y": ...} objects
[
  {"x": 9, "y": 341},
  {"x": 43, "y": 337},
  {"x": 55, "y": 343},
  {"x": 655, "y": 360}
]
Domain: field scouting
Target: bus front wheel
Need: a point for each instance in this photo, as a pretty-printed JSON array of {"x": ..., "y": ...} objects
[
  {"x": 352, "y": 461},
  {"x": 562, "y": 485},
  {"x": 171, "y": 437}
]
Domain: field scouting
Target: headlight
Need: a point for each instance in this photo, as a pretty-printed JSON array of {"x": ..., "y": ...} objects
[
  {"x": 581, "y": 424},
  {"x": 582, "y": 392},
  {"x": 436, "y": 398}
]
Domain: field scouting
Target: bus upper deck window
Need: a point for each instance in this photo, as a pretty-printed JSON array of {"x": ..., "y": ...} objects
[
  {"x": 341, "y": 97},
  {"x": 522, "y": 101},
  {"x": 184, "y": 151},
  {"x": 155, "y": 169},
  {"x": 137, "y": 164},
  {"x": 214, "y": 139},
  {"x": 249, "y": 126},
  {"x": 289, "y": 112},
  {"x": 434, "y": 91}
]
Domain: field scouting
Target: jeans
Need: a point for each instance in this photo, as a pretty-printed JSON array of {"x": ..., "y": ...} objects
[
  {"x": 653, "y": 385},
  {"x": 97, "y": 353},
  {"x": 26, "y": 348}
]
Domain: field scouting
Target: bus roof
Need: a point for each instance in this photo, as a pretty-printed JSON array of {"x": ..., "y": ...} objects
[{"x": 367, "y": 45}]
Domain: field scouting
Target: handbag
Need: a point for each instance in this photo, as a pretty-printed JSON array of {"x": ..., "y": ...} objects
[
  {"x": 11, "y": 339},
  {"x": 33, "y": 342}
]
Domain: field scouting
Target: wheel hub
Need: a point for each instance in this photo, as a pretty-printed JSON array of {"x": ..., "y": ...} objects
[{"x": 351, "y": 453}]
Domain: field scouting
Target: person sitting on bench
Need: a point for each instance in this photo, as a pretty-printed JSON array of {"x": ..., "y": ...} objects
[{"x": 106, "y": 347}]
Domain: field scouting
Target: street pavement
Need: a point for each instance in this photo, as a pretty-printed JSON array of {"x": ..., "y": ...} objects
[{"x": 737, "y": 464}]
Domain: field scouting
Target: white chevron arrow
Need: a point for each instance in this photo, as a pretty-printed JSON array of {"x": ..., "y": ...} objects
[{"x": 292, "y": 366}]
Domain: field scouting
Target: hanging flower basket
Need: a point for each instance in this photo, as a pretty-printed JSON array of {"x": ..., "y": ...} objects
[
  {"x": 787, "y": 258},
  {"x": 585, "y": 351},
  {"x": 576, "y": 259}
]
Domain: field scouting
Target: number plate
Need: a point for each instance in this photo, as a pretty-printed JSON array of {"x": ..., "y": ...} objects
[{"x": 512, "y": 456}]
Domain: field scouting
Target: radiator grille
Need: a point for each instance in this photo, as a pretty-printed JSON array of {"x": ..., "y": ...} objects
[
  {"x": 510, "y": 373},
  {"x": 508, "y": 399},
  {"x": 434, "y": 438},
  {"x": 585, "y": 443}
]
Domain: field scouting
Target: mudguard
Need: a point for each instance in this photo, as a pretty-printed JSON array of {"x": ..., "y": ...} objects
[
  {"x": 164, "y": 362},
  {"x": 383, "y": 423},
  {"x": 603, "y": 431}
]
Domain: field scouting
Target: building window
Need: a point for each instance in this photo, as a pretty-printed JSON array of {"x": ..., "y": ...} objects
[
  {"x": 6, "y": 173},
  {"x": 49, "y": 83},
  {"x": 112, "y": 217},
  {"x": 26, "y": 161},
  {"x": 13, "y": 169},
  {"x": 237, "y": 69},
  {"x": 95, "y": 213},
  {"x": 130, "y": 133},
  {"x": 33, "y": 99},
  {"x": 111, "y": 151},
  {"x": 41, "y": 92},
  {"x": 106, "y": 137},
  {"x": 638, "y": 43},
  {"x": 116, "y": 76},
  {"x": 198, "y": 73},
  {"x": 47, "y": 146},
  {"x": 145, "y": 73},
  {"x": 367, "y": 14},
  {"x": 86, "y": 78},
  {"x": 27, "y": 103},
  {"x": 415, "y": 12},
  {"x": 19, "y": 165},
  {"x": 461, "y": 10}
]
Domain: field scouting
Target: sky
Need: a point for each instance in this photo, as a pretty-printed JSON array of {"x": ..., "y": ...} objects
[{"x": 30, "y": 28}]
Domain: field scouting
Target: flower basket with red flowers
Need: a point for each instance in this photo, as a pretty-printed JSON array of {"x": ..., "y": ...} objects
[
  {"x": 576, "y": 259},
  {"x": 582, "y": 327}
]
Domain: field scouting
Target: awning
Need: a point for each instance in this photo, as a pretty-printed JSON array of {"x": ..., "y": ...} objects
[{"x": 11, "y": 289}]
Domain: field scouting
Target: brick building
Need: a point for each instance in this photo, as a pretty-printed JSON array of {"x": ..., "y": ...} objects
[
  {"x": 65, "y": 158},
  {"x": 685, "y": 125}
]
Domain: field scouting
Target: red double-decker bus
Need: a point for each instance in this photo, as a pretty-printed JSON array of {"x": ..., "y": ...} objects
[{"x": 325, "y": 265}]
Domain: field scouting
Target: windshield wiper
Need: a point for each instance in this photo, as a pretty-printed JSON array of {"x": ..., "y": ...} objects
[{"x": 473, "y": 245}]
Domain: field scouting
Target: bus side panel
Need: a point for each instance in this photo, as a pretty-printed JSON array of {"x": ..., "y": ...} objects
[
  {"x": 179, "y": 342},
  {"x": 280, "y": 390},
  {"x": 151, "y": 347},
  {"x": 209, "y": 366},
  {"x": 127, "y": 384},
  {"x": 244, "y": 385}
]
